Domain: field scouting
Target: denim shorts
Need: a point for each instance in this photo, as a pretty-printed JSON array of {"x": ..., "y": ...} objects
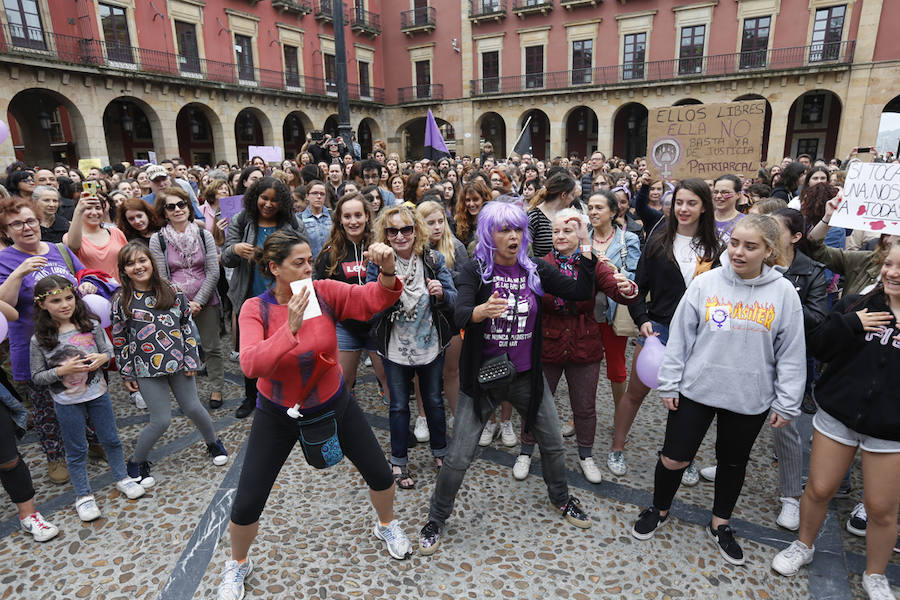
[
  {"x": 840, "y": 433},
  {"x": 348, "y": 341},
  {"x": 662, "y": 330}
]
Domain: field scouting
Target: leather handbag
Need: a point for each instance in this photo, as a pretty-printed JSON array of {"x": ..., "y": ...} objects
[{"x": 496, "y": 372}]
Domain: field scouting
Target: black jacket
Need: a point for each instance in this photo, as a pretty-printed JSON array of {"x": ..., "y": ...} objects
[
  {"x": 350, "y": 269},
  {"x": 808, "y": 277},
  {"x": 858, "y": 385},
  {"x": 473, "y": 291},
  {"x": 54, "y": 234}
]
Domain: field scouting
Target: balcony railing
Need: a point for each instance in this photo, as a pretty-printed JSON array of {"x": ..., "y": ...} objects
[
  {"x": 570, "y": 4},
  {"x": 300, "y": 7},
  {"x": 365, "y": 21},
  {"x": 528, "y": 7},
  {"x": 817, "y": 55},
  {"x": 486, "y": 10},
  {"x": 324, "y": 10},
  {"x": 35, "y": 43},
  {"x": 418, "y": 19},
  {"x": 434, "y": 91}
]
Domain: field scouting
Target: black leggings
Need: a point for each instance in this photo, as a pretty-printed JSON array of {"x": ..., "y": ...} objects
[
  {"x": 685, "y": 430},
  {"x": 17, "y": 479},
  {"x": 272, "y": 437}
]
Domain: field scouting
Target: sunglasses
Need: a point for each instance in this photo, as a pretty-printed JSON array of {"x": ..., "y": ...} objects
[
  {"x": 177, "y": 205},
  {"x": 393, "y": 232}
]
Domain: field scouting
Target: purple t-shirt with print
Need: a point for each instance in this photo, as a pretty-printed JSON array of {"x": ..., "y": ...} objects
[
  {"x": 21, "y": 330},
  {"x": 513, "y": 332}
]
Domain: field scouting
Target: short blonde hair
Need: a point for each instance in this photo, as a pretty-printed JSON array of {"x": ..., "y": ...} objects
[{"x": 408, "y": 216}]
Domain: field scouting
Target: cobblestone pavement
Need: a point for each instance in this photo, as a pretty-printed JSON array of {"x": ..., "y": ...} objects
[{"x": 502, "y": 541}]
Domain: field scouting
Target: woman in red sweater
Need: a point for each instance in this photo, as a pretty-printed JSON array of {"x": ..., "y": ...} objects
[{"x": 302, "y": 393}]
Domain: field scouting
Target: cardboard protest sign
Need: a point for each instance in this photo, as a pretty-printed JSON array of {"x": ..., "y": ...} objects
[
  {"x": 705, "y": 140},
  {"x": 871, "y": 198},
  {"x": 270, "y": 154},
  {"x": 230, "y": 206},
  {"x": 86, "y": 164}
]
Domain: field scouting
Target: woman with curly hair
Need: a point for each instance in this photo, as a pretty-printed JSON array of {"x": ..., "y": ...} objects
[
  {"x": 473, "y": 197},
  {"x": 416, "y": 186},
  {"x": 137, "y": 220}
]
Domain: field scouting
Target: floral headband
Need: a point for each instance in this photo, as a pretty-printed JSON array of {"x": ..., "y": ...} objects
[{"x": 54, "y": 292}]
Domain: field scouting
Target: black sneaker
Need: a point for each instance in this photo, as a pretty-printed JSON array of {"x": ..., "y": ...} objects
[
  {"x": 140, "y": 473},
  {"x": 730, "y": 550},
  {"x": 243, "y": 411},
  {"x": 648, "y": 522},
  {"x": 574, "y": 514},
  {"x": 429, "y": 538}
]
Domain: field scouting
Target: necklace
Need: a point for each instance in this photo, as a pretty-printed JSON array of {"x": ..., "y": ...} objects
[{"x": 607, "y": 240}]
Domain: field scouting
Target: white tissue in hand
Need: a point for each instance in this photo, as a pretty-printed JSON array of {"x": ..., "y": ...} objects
[{"x": 312, "y": 309}]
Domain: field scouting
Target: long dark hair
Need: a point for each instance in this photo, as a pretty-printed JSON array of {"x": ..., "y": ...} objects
[
  {"x": 337, "y": 242},
  {"x": 276, "y": 248},
  {"x": 813, "y": 200},
  {"x": 282, "y": 196},
  {"x": 795, "y": 223},
  {"x": 242, "y": 180},
  {"x": 160, "y": 288},
  {"x": 706, "y": 225},
  {"x": 130, "y": 232},
  {"x": 411, "y": 187},
  {"x": 557, "y": 184},
  {"x": 46, "y": 330},
  {"x": 790, "y": 176}
]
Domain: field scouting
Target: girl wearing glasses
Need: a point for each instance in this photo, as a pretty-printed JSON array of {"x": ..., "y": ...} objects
[
  {"x": 185, "y": 254},
  {"x": 412, "y": 335},
  {"x": 726, "y": 193}
]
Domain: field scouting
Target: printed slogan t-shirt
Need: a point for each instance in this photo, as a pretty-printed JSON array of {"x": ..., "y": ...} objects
[{"x": 513, "y": 331}]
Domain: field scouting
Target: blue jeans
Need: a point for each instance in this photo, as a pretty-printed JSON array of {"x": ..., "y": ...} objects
[
  {"x": 73, "y": 425},
  {"x": 400, "y": 385}
]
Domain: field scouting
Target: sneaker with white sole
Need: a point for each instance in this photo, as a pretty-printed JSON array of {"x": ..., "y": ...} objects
[
  {"x": 858, "y": 520},
  {"x": 130, "y": 488},
  {"x": 421, "y": 430},
  {"x": 232, "y": 585},
  {"x": 590, "y": 470},
  {"x": 40, "y": 529},
  {"x": 648, "y": 522},
  {"x": 217, "y": 452},
  {"x": 691, "y": 476},
  {"x": 488, "y": 434},
  {"x": 87, "y": 508},
  {"x": 140, "y": 472},
  {"x": 723, "y": 536},
  {"x": 392, "y": 534},
  {"x": 450, "y": 421},
  {"x": 235, "y": 356},
  {"x": 575, "y": 514},
  {"x": 788, "y": 561},
  {"x": 522, "y": 466},
  {"x": 615, "y": 462},
  {"x": 708, "y": 473},
  {"x": 138, "y": 400},
  {"x": 877, "y": 587},
  {"x": 507, "y": 435},
  {"x": 789, "y": 517}
]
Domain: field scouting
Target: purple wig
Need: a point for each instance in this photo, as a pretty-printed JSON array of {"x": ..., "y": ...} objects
[{"x": 493, "y": 217}]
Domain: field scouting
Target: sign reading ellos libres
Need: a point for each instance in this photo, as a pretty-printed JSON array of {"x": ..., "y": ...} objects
[{"x": 705, "y": 140}]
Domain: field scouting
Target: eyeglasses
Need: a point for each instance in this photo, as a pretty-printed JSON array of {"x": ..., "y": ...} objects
[
  {"x": 315, "y": 193},
  {"x": 725, "y": 193},
  {"x": 405, "y": 231},
  {"x": 176, "y": 206},
  {"x": 32, "y": 223}
]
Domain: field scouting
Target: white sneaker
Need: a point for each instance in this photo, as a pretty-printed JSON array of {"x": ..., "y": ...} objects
[
  {"x": 398, "y": 544},
  {"x": 138, "y": 400},
  {"x": 615, "y": 462},
  {"x": 708, "y": 473},
  {"x": 421, "y": 430},
  {"x": 858, "y": 520},
  {"x": 130, "y": 488},
  {"x": 789, "y": 518},
  {"x": 39, "y": 529},
  {"x": 568, "y": 429},
  {"x": 590, "y": 470},
  {"x": 488, "y": 434},
  {"x": 691, "y": 476},
  {"x": 520, "y": 469},
  {"x": 235, "y": 356},
  {"x": 450, "y": 422},
  {"x": 367, "y": 362},
  {"x": 877, "y": 587},
  {"x": 788, "y": 561},
  {"x": 232, "y": 585},
  {"x": 507, "y": 435},
  {"x": 87, "y": 508}
]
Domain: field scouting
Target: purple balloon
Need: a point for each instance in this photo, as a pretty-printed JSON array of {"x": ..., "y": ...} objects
[
  {"x": 649, "y": 360},
  {"x": 4, "y": 131},
  {"x": 101, "y": 307},
  {"x": 4, "y": 327}
]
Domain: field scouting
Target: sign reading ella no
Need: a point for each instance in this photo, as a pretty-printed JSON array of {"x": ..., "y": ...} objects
[
  {"x": 706, "y": 140},
  {"x": 871, "y": 198}
]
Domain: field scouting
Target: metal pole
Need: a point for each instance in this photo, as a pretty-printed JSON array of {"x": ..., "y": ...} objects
[{"x": 340, "y": 68}]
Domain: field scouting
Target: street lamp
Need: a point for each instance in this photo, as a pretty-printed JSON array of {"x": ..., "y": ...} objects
[
  {"x": 195, "y": 125},
  {"x": 127, "y": 120},
  {"x": 248, "y": 125},
  {"x": 44, "y": 120}
]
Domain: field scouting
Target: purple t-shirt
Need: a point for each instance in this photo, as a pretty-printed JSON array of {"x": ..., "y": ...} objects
[
  {"x": 21, "y": 330},
  {"x": 513, "y": 332}
]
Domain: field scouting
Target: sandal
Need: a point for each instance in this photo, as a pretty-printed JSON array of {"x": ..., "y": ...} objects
[{"x": 401, "y": 475}]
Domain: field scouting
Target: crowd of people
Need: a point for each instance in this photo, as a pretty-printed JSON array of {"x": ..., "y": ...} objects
[{"x": 471, "y": 285}]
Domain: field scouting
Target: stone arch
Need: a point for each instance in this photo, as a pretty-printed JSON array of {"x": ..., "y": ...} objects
[
  {"x": 581, "y": 126},
  {"x": 767, "y": 122},
  {"x": 200, "y": 134},
  {"x": 890, "y": 142},
  {"x": 540, "y": 132},
  {"x": 293, "y": 132},
  {"x": 630, "y": 131},
  {"x": 330, "y": 126},
  {"x": 46, "y": 127},
  {"x": 813, "y": 124},
  {"x": 491, "y": 127},
  {"x": 252, "y": 127},
  {"x": 367, "y": 132},
  {"x": 412, "y": 136},
  {"x": 132, "y": 127},
  {"x": 686, "y": 102}
]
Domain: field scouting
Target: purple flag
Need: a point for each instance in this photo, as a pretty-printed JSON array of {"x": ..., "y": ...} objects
[{"x": 435, "y": 148}]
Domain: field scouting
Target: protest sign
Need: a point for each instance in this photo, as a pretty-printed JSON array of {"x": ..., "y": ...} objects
[
  {"x": 230, "y": 206},
  {"x": 270, "y": 154},
  {"x": 871, "y": 198},
  {"x": 86, "y": 164},
  {"x": 705, "y": 140},
  {"x": 151, "y": 156}
]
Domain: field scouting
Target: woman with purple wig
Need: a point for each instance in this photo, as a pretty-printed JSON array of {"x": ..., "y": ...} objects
[{"x": 499, "y": 306}]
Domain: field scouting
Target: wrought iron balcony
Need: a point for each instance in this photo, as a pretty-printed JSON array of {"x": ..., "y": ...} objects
[
  {"x": 434, "y": 91},
  {"x": 36, "y": 44},
  {"x": 815, "y": 56},
  {"x": 324, "y": 10},
  {"x": 486, "y": 10},
  {"x": 570, "y": 4},
  {"x": 364, "y": 21},
  {"x": 418, "y": 19},
  {"x": 524, "y": 8},
  {"x": 300, "y": 7}
]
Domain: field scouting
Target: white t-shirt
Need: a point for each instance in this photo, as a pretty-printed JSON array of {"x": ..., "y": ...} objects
[{"x": 685, "y": 252}]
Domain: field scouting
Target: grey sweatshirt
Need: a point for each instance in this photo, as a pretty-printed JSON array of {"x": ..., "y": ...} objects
[{"x": 737, "y": 344}]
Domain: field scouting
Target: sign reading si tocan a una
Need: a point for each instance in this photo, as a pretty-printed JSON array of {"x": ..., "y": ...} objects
[{"x": 705, "y": 140}]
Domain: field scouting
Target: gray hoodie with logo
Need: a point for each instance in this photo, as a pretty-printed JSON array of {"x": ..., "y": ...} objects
[{"x": 737, "y": 344}]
